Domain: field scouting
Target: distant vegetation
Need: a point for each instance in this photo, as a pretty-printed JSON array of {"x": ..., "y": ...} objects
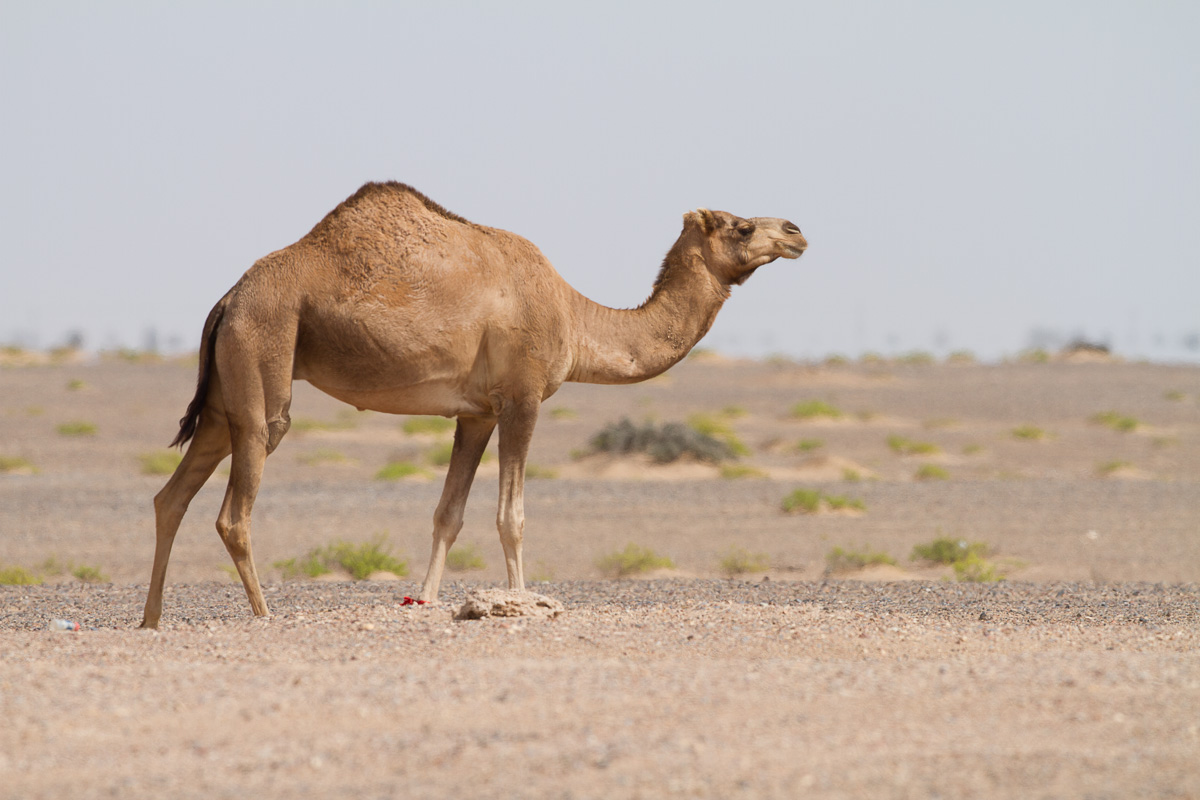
[
  {"x": 908, "y": 447},
  {"x": 813, "y": 409},
  {"x": 968, "y": 559},
  {"x": 15, "y": 464},
  {"x": 18, "y": 576},
  {"x": 738, "y": 561},
  {"x": 537, "y": 472},
  {"x": 840, "y": 560},
  {"x": 77, "y": 428},
  {"x": 931, "y": 472},
  {"x": 160, "y": 462},
  {"x": 735, "y": 472},
  {"x": 398, "y": 470},
  {"x": 463, "y": 558},
  {"x": 1116, "y": 421},
  {"x": 663, "y": 444},
  {"x": 50, "y": 568},
  {"x": 633, "y": 560},
  {"x": 360, "y": 560},
  {"x": 1029, "y": 433},
  {"x": 810, "y": 501},
  {"x": 719, "y": 429}
]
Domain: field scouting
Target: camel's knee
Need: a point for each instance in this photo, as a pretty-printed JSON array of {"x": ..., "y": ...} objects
[
  {"x": 276, "y": 428},
  {"x": 447, "y": 522},
  {"x": 511, "y": 525},
  {"x": 236, "y": 538}
]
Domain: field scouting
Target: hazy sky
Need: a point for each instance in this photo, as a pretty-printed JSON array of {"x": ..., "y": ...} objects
[{"x": 964, "y": 172}]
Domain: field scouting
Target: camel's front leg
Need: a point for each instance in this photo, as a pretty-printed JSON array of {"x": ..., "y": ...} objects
[
  {"x": 470, "y": 439},
  {"x": 516, "y": 431}
]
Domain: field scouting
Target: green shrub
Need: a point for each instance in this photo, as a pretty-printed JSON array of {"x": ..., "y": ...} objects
[
  {"x": 806, "y": 501},
  {"x": 89, "y": 574},
  {"x": 735, "y": 472},
  {"x": 1028, "y": 432},
  {"x": 18, "y": 576},
  {"x": 1109, "y": 467},
  {"x": 14, "y": 464},
  {"x": 77, "y": 428},
  {"x": 719, "y": 429},
  {"x": 944, "y": 550},
  {"x": 536, "y": 472},
  {"x": 439, "y": 455},
  {"x": 428, "y": 425},
  {"x": 961, "y": 357},
  {"x": 811, "y": 409},
  {"x": 74, "y": 385},
  {"x": 809, "y": 501},
  {"x": 633, "y": 560},
  {"x": 360, "y": 560},
  {"x": 663, "y": 444},
  {"x": 398, "y": 470},
  {"x": 840, "y": 560},
  {"x": 311, "y": 565},
  {"x": 972, "y": 448},
  {"x": 931, "y": 472},
  {"x": 464, "y": 557},
  {"x": 738, "y": 561},
  {"x": 974, "y": 569},
  {"x": 838, "y": 502},
  {"x": 160, "y": 462},
  {"x": 561, "y": 412},
  {"x": 808, "y": 445},
  {"x": 969, "y": 559},
  {"x": 1116, "y": 421},
  {"x": 908, "y": 447},
  {"x": 1174, "y": 395}
]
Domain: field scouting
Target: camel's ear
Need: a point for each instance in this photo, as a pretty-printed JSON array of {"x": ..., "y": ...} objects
[{"x": 702, "y": 217}]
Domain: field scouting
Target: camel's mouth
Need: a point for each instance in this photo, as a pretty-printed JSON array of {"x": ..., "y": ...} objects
[{"x": 791, "y": 251}]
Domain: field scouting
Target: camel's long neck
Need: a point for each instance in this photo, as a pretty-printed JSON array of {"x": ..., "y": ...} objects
[{"x": 627, "y": 346}]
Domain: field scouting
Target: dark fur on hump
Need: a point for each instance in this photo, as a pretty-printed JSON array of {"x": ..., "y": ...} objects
[{"x": 373, "y": 190}]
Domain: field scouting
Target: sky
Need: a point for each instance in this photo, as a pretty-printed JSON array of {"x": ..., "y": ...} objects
[{"x": 970, "y": 176}]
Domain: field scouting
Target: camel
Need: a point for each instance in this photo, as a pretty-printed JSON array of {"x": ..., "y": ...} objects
[{"x": 394, "y": 304}]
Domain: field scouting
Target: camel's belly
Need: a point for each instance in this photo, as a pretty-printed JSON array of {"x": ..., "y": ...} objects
[{"x": 433, "y": 397}]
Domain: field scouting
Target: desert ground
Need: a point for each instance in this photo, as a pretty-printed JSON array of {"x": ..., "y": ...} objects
[{"x": 752, "y": 667}]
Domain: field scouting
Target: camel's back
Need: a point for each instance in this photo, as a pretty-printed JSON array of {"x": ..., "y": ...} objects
[{"x": 393, "y": 232}]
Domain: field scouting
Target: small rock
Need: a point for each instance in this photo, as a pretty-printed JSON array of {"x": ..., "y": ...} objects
[
  {"x": 483, "y": 603},
  {"x": 984, "y": 616}
]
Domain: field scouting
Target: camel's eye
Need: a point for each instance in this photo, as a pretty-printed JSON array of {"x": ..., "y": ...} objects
[{"x": 745, "y": 229}]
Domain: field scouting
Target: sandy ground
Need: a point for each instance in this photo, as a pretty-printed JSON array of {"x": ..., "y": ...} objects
[{"x": 1076, "y": 677}]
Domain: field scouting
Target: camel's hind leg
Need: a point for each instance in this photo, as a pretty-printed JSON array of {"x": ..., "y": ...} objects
[
  {"x": 210, "y": 445},
  {"x": 470, "y": 438},
  {"x": 257, "y": 394}
]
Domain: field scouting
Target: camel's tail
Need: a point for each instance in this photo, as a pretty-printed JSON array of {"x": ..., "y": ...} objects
[{"x": 187, "y": 425}]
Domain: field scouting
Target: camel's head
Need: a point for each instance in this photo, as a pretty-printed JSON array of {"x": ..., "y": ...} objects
[{"x": 734, "y": 247}]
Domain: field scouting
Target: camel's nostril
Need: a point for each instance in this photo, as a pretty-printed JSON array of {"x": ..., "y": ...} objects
[{"x": 790, "y": 228}]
